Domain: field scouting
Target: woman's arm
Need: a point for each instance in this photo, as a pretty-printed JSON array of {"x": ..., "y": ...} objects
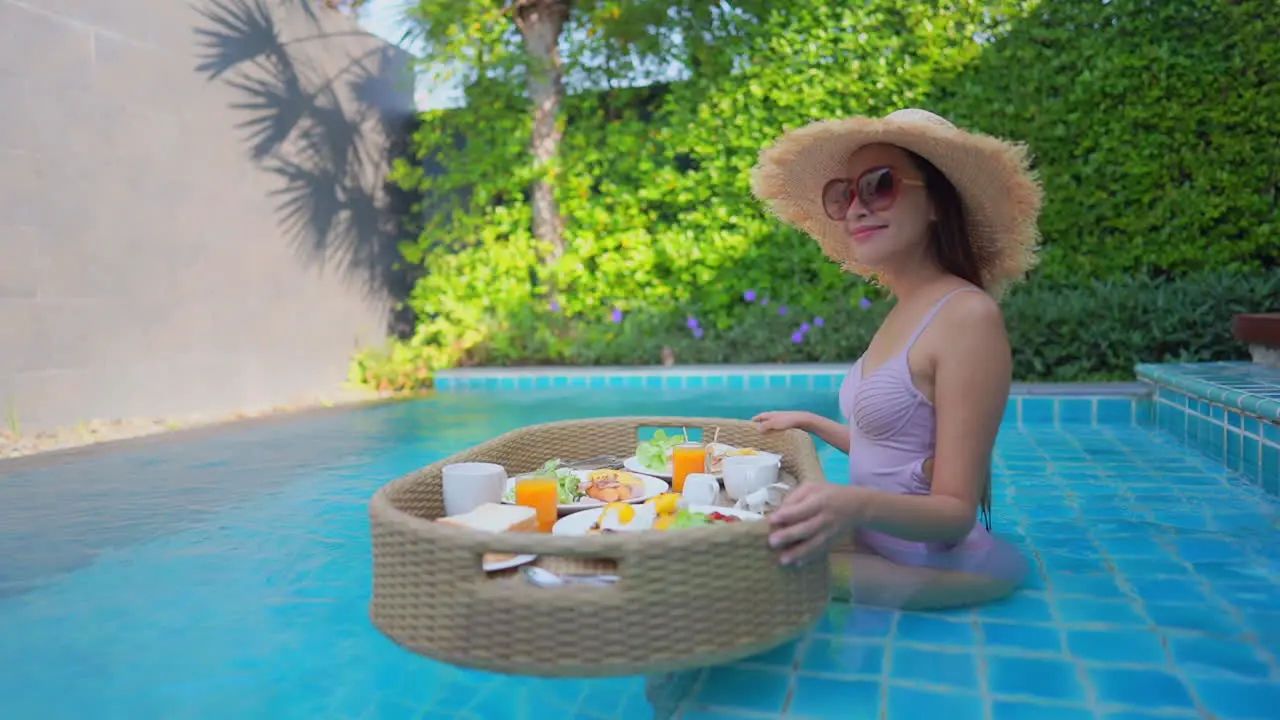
[
  {"x": 971, "y": 387},
  {"x": 833, "y": 433}
]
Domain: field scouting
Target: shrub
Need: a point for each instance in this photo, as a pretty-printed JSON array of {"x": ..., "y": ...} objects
[
  {"x": 1151, "y": 123},
  {"x": 1097, "y": 330}
]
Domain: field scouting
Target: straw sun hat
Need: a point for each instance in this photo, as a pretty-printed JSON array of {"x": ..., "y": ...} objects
[{"x": 1000, "y": 194}]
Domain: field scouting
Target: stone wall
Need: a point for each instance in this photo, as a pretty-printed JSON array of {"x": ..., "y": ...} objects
[{"x": 193, "y": 210}]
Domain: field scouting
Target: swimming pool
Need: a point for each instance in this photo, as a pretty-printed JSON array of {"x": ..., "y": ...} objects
[{"x": 228, "y": 577}]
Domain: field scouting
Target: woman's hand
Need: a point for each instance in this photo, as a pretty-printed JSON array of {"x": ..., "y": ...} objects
[
  {"x": 782, "y": 420},
  {"x": 809, "y": 519}
]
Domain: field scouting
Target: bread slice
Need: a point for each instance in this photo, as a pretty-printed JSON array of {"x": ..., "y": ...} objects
[{"x": 496, "y": 517}]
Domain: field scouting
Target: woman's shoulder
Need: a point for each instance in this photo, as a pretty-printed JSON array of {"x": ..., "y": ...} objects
[{"x": 968, "y": 317}]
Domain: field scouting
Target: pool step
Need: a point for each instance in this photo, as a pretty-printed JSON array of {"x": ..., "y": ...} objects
[{"x": 1229, "y": 411}]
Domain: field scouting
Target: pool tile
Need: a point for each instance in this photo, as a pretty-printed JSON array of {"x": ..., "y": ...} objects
[
  {"x": 843, "y": 657},
  {"x": 1166, "y": 590},
  {"x": 1025, "y": 607},
  {"x": 1044, "y": 679},
  {"x": 820, "y": 698},
  {"x": 1140, "y": 688},
  {"x": 1202, "y": 656},
  {"x": 1197, "y": 618},
  {"x": 1238, "y": 699},
  {"x": 781, "y": 657},
  {"x": 744, "y": 689},
  {"x": 1138, "y": 647},
  {"x": 1037, "y": 410},
  {"x": 1114, "y": 411},
  {"x": 1018, "y": 710},
  {"x": 906, "y": 703},
  {"x": 1006, "y": 637},
  {"x": 712, "y": 714},
  {"x": 1090, "y": 611},
  {"x": 930, "y": 630},
  {"x": 844, "y": 620},
  {"x": 934, "y": 667}
]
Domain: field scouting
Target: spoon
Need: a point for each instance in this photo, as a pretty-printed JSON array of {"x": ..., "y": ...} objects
[{"x": 547, "y": 579}]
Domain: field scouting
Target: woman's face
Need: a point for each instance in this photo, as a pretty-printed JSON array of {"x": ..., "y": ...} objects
[{"x": 889, "y": 213}]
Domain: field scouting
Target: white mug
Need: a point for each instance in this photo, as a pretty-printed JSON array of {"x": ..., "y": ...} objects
[
  {"x": 701, "y": 489},
  {"x": 745, "y": 474},
  {"x": 467, "y": 486}
]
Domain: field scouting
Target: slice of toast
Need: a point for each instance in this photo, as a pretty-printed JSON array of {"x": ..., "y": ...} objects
[{"x": 496, "y": 517}]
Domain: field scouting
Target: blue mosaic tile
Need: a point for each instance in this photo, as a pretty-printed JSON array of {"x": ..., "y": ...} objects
[
  {"x": 933, "y": 630},
  {"x": 1114, "y": 411},
  {"x": 1135, "y": 647},
  {"x": 1152, "y": 688},
  {"x": 744, "y": 689},
  {"x": 708, "y": 714},
  {"x": 1037, "y": 410},
  {"x": 934, "y": 666},
  {"x": 817, "y": 697},
  {"x": 1022, "y": 638},
  {"x": 1043, "y": 679},
  {"x": 843, "y": 620},
  {"x": 909, "y": 703},
  {"x": 1024, "y": 607},
  {"x": 1238, "y": 699},
  {"x": 781, "y": 657},
  {"x": 1200, "y": 656},
  {"x": 1016, "y": 710},
  {"x": 1075, "y": 411},
  {"x": 841, "y": 657},
  {"x": 1090, "y": 611}
]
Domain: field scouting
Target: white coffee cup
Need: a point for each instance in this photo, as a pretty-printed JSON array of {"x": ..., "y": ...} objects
[
  {"x": 469, "y": 485},
  {"x": 745, "y": 474},
  {"x": 701, "y": 489}
]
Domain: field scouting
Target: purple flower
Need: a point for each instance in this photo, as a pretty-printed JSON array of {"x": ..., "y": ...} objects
[
  {"x": 865, "y": 303},
  {"x": 697, "y": 333},
  {"x": 692, "y": 323},
  {"x": 797, "y": 337},
  {"x": 749, "y": 296},
  {"x": 804, "y": 327},
  {"x": 819, "y": 322},
  {"x": 764, "y": 301},
  {"x": 782, "y": 309},
  {"x": 616, "y": 315},
  {"x": 555, "y": 306}
]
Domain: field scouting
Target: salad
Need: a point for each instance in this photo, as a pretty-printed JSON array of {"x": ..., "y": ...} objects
[
  {"x": 570, "y": 483},
  {"x": 655, "y": 453},
  {"x": 604, "y": 485}
]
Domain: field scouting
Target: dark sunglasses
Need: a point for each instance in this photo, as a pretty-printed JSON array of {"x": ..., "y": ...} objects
[{"x": 877, "y": 189}]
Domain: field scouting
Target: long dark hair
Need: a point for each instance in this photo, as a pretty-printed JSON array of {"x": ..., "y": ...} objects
[
  {"x": 950, "y": 236},
  {"x": 954, "y": 251}
]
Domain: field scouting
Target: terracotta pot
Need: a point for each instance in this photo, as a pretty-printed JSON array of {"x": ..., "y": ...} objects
[{"x": 1257, "y": 329}]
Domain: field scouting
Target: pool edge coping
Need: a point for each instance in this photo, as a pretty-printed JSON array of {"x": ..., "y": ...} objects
[{"x": 457, "y": 377}]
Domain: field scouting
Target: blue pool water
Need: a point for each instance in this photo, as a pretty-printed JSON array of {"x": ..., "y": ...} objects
[{"x": 228, "y": 577}]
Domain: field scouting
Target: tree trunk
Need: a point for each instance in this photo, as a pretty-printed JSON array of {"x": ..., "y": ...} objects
[{"x": 540, "y": 23}]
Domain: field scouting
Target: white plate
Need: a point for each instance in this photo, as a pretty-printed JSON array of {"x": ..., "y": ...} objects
[
  {"x": 578, "y": 523},
  {"x": 653, "y": 487},
  {"x": 516, "y": 561},
  {"x": 633, "y": 464}
]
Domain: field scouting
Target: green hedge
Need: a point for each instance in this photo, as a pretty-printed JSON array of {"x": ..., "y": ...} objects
[
  {"x": 1150, "y": 124},
  {"x": 1096, "y": 330}
]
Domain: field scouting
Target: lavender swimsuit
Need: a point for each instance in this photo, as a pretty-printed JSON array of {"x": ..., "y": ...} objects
[{"x": 892, "y": 433}]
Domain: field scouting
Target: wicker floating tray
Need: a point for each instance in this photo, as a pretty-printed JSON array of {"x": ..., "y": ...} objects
[{"x": 685, "y": 598}]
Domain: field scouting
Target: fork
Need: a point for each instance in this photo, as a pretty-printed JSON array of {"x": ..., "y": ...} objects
[{"x": 602, "y": 462}]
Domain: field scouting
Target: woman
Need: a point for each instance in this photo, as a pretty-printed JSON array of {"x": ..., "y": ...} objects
[{"x": 946, "y": 220}]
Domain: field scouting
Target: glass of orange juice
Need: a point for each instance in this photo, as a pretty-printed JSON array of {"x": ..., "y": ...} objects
[
  {"x": 541, "y": 494},
  {"x": 687, "y": 458}
]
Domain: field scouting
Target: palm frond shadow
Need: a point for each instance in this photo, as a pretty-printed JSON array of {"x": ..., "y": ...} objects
[{"x": 325, "y": 113}]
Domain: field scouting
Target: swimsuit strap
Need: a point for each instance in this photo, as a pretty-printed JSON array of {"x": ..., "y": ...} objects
[{"x": 928, "y": 318}]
